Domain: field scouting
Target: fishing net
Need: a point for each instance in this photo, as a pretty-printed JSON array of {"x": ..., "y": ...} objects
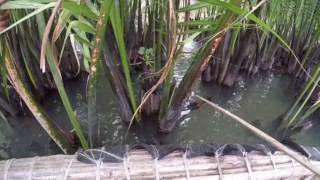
[
  {"x": 117, "y": 153},
  {"x": 208, "y": 161}
]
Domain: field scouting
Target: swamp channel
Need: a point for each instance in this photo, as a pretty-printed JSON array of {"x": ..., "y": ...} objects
[{"x": 259, "y": 100}]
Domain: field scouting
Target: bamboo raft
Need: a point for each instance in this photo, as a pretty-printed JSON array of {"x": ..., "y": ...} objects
[{"x": 139, "y": 164}]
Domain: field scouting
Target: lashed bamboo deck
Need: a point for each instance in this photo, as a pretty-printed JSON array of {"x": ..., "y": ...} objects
[{"x": 140, "y": 165}]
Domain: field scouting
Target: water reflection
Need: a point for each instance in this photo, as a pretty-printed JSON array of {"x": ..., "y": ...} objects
[{"x": 184, "y": 60}]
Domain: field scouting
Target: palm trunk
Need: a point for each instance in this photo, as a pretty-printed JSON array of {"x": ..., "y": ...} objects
[
  {"x": 196, "y": 68},
  {"x": 56, "y": 133}
]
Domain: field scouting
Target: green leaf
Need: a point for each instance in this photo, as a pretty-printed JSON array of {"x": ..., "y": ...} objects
[
  {"x": 82, "y": 26},
  {"x": 79, "y": 10},
  {"x": 198, "y": 22},
  {"x": 39, "y": 10},
  {"x": 118, "y": 30},
  {"x": 200, "y": 30},
  {"x": 192, "y": 7},
  {"x": 52, "y": 62},
  {"x": 48, "y": 125},
  {"x": 21, "y": 5}
]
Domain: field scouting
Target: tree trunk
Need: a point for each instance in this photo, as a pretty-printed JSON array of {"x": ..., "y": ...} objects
[{"x": 239, "y": 58}]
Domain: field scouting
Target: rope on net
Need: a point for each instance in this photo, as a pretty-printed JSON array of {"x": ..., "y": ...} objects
[
  {"x": 248, "y": 165},
  {"x": 156, "y": 158},
  {"x": 126, "y": 161},
  {"x": 186, "y": 164},
  {"x": 34, "y": 160},
  {"x": 246, "y": 160},
  {"x": 293, "y": 168},
  {"x": 217, "y": 154},
  {"x": 275, "y": 174},
  {"x": 6, "y": 168},
  {"x": 98, "y": 162},
  {"x": 98, "y": 169},
  {"x": 66, "y": 172},
  {"x": 273, "y": 162}
]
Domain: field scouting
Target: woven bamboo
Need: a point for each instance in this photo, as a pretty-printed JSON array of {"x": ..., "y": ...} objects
[{"x": 139, "y": 164}]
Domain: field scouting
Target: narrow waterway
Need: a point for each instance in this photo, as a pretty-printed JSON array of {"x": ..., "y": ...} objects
[{"x": 259, "y": 100}]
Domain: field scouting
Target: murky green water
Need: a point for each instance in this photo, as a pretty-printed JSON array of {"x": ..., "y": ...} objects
[{"x": 259, "y": 99}]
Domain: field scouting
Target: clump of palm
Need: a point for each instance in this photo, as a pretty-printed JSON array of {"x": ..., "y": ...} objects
[
  {"x": 303, "y": 35},
  {"x": 109, "y": 34},
  {"x": 79, "y": 22},
  {"x": 21, "y": 57},
  {"x": 249, "y": 48}
]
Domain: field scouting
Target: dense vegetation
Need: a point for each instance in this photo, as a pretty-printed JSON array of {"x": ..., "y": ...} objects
[{"x": 49, "y": 41}]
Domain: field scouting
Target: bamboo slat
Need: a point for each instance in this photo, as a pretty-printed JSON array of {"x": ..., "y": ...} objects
[{"x": 139, "y": 164}]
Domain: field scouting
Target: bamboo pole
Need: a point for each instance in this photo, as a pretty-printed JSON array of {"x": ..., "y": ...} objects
[{"x": 265, "y": 137}]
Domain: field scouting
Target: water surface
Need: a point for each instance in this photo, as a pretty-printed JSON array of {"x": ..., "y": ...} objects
[{"x": 259, "y": 100}]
